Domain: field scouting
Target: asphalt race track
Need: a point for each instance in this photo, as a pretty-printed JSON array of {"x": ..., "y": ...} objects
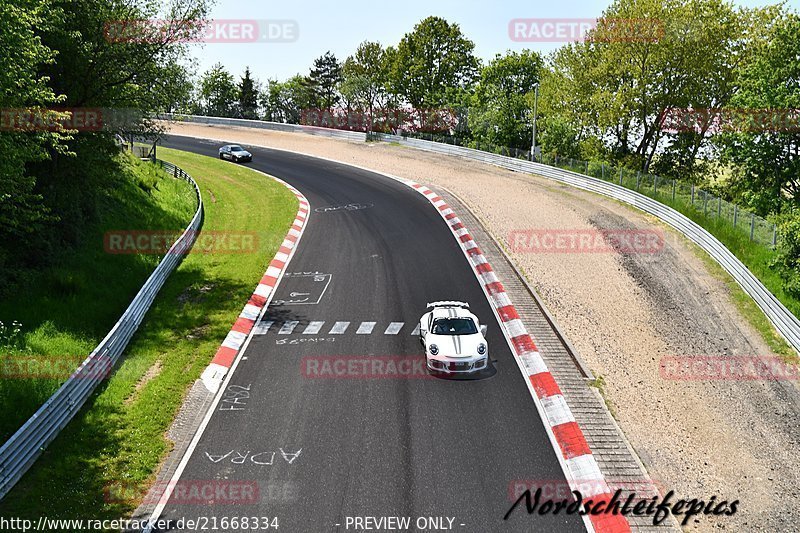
[{"x": 323, "y": 447}]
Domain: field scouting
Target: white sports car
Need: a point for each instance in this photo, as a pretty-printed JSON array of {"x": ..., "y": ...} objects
[{"x": 453, "y": 338}]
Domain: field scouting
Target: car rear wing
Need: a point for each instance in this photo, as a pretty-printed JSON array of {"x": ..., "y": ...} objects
[{"x": 448, "y": 303}]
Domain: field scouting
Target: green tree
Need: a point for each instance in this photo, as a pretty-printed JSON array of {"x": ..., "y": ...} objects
[
  {"x": 502, "y": 110},
  {"x": 286, "y": 101},
  {"x": 218, "y": 92},
  {"x": 72, "y": 55},
  {"x": 325, "y": 77},
  {"x": 431, "y": 62},
  {"x": 364, "y": 79},
  {"x": 248, "y": 96},
  {"x": 623, "y": 79},
  {"x": 764, "y": 143},
  {"x": 22, "y": 211}
]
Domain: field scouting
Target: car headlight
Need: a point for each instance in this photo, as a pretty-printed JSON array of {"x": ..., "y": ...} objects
[
  {"x": 433, "y": 349},
  {"x": 481, "y": 349}
]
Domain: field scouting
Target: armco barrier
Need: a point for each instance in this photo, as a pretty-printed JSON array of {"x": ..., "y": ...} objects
[
  {"x": 25, "y": 446},
  {"x": 784, "y": 321},
  {"x": 264, "y": 125}
]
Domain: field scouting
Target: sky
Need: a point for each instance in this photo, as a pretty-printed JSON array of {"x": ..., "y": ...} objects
[{"x": 313, "y": 27}]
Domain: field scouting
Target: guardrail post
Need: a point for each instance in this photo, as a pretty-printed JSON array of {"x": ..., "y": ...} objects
[
  {"x": 719, "y": 207},
  {"x": 774, "y": 234},
  {"x": 692, "y": 193},
  {"x": 638, "y": 179},
  {"x": 735, "y": 214},
  {"x": 673, "y": 190},
  {"x": 752, "y": 224},
  {"x": 602, "y": 171},
  {"x": 620, "y": 176},
  {"x": 587, "y": 168},
  {"x": 655, "y": 185},
  {"x": 705, "y": 203}
]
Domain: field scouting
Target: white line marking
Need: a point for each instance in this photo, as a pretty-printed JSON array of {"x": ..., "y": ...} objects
[
  {"x": 394, "y": 328},
  {"x": 365, "y": 328},
  {"x": 313, "y": 328},
  {"x": 288, "y": 327},
  {"x": 339, "y": 328},
  {"x": 262, "y": 327},
  {"x": 416, "y": 330},
  {"x": 167, "y": 494}
]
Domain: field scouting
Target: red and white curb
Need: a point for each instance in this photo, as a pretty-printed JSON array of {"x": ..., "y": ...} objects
[
  {"x": 580, "y": 467},
  {"x": 573, "y": 452},
  {"x": 214, "y": 374}
]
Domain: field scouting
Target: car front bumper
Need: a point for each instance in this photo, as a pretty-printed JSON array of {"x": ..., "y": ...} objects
[{"x": 457, "y": 365}]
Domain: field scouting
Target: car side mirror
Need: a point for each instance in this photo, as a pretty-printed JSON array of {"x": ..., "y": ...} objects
[{"x": 484, "y": 328}]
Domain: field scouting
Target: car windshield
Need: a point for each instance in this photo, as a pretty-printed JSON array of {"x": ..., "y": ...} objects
[
  {"x": 454, "y": 326},
  {"x": 236, "y": 149}
]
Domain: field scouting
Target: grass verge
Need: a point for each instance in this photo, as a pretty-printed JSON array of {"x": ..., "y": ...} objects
[
  {"x": 69, "y": 307},
  {"x": 118, "y": 438}
]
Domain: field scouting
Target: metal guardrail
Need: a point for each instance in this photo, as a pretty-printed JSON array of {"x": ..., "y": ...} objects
[
  {"x": 265, "y": 125},
  {"x": 784, "y": 321},
  {"x": 24, "y": 447}
]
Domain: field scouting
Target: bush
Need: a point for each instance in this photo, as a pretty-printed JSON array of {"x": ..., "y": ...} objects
[{"x": 787, "y": 260}]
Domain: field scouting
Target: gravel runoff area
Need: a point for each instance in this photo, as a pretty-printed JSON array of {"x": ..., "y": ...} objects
[{"x": 627, "y": 314}]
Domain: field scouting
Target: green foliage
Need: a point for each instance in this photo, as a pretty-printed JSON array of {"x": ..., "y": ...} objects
[
  {"x": 248, "y": 96},
  {"x": 119, "y": 437},
  {"x": 619, "y": 83},
  {"x": 431, "y": 60},
  {"x": 325, "y": 77},
  {"x": 503, "y": 100},
  {"x": 766, "y": 155},
  {"x": 86, "y": 289},
  {"x": 218, "y": 92},
  {"x": 365, "y": 78},
  {"x": 60, "y": 53},
  {"x": 787, "y": 260},
  {"x": 284, "y": 101}
]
